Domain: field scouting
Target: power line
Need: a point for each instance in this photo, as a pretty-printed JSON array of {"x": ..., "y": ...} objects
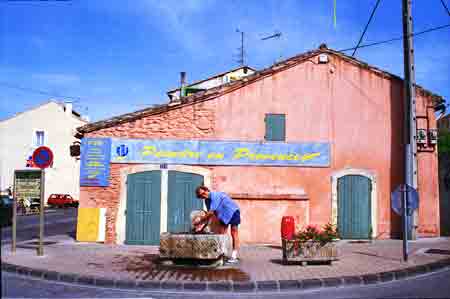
[
  {"x": 395, "y": 39},
  {"x": 446, "y": 8},
  {"x": 9, "y": 85},
  {"x": 367, "y": 26},
  {"x": 31, "y": 90}
]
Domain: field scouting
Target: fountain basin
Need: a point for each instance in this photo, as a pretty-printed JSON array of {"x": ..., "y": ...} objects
[{"x": 208, "y": 246}]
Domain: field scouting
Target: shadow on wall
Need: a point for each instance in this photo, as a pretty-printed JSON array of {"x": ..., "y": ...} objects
[
  {"x": 397, "y": 159},
  {"x": 444, "y": 193}
]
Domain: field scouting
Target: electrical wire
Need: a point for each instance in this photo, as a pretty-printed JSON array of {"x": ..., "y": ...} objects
[
  {"x": 446, "y": 8},
  {"x": 395, "y": 39},
  {"x": 31, "y": 90},
  {"x": 366, "y": 27},
  {"x": 27, "y": 89}
]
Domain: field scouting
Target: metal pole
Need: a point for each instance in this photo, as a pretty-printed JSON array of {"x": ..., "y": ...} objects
[
  {"x": 14, "y": 220},
  {"x": 405, "y": 222},
  {"x": 40, "y": 250},
  {"x": 410, "y": 103}
]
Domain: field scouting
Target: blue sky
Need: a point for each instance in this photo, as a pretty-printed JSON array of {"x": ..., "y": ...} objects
[{"x": 121, "y": 56}]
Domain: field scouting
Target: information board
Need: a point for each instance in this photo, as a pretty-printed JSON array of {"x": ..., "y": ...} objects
[
  {"x": 28, "y": 185},
  {"x": 95, "y": 160}
]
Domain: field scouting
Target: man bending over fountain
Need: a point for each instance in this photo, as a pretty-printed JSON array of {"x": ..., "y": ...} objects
[{"x": 220, "y": 205}]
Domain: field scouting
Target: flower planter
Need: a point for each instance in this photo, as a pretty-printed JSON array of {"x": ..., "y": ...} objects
[{"x": 307, "y": 251}]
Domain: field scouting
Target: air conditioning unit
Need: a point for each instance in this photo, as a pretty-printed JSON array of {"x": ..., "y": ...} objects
[
  {"x": 421, "y": 136},
  {"x": 433, "y": 136}
]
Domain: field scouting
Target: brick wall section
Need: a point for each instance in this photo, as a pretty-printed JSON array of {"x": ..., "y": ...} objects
[
  {"x": 190, "y": 122},
  {"x": 194, "y": 121}
]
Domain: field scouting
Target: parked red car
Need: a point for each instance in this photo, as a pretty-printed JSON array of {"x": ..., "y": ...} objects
[{"x": 62, "y": 200}]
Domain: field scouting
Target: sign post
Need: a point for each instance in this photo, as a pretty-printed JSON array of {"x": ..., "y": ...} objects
[
  {"x": 14, "y": 215},
  {"x": 42, "y": 158},
  {"x": 405, "y": 200},
  {"x": 405, "y": 222}
]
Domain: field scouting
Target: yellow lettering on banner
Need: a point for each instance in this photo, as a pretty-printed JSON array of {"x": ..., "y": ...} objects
[
  {"x": 216, "y": 156},
  {"x": 310, "y": 156},
  {"x": 241, "y": 153},
  {"x": 291, "y": 157},
  {"x": 149, "y": 150}
]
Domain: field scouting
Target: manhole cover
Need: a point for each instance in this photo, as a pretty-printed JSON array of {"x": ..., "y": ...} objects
[{"x": 438, "y": 251}]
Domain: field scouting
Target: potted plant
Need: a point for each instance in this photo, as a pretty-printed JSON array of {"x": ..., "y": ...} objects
[{"x": 311, "y": 244}]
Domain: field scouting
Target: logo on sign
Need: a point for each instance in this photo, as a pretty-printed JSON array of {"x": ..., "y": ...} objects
[{"x": 122, "y": 150}]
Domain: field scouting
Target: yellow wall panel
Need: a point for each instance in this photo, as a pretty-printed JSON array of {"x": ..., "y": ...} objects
[{"x": 88, "y": 224}]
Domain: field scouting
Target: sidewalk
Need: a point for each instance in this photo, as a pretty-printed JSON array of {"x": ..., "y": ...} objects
[{"x": 128, "y": 266}]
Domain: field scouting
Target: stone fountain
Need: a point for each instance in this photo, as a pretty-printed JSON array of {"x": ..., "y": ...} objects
[{"x": 209, "y": 247}]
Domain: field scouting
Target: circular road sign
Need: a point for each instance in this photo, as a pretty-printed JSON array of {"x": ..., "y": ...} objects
[{"x": 42, "y": 157}]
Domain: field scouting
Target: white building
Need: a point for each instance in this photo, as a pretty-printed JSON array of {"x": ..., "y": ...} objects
[
  {"x": 211, "y": 82},
  {"x": 51, "y": 124}
]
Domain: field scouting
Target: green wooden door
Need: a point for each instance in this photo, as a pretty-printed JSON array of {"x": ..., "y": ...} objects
[
  {"x": 182, "y": 200},
  {"x": 354, "y": 212},
  {"x": 143, "y": 214}
]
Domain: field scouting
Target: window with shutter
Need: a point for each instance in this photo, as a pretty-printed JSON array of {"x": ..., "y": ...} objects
[{"x": 275, "y": 127}]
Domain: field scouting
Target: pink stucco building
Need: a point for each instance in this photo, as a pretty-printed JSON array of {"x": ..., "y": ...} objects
[{"x": 321, "y": 96}]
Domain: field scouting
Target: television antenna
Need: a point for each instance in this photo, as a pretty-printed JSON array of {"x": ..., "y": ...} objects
[
  {"x": 241, "y": 60},
  {"x": 277, "y": 35}
]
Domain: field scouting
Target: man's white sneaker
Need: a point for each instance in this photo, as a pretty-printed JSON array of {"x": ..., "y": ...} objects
[{"x": 233, "y": 260}]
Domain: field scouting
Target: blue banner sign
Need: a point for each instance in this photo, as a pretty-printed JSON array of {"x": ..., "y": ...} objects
[
  {"x": 95, "y": 160},
  {"x": 220, "y": 152}
]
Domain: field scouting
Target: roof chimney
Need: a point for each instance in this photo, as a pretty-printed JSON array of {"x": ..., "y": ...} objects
[
  {"x": 183, "y": 83},
  {"x": 68, "y": 108},
  {"x": 323, "y": 46}
]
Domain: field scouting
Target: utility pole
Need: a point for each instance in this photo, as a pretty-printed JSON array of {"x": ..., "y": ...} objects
[
  {"x": 241, "y": 49},
  {"x": 410, "y": 107}
]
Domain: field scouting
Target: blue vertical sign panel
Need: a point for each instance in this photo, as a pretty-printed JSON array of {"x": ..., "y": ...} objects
[{"x": 95, "y": 160}]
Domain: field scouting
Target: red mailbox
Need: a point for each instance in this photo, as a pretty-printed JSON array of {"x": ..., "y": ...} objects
[{"x": 287, "y": 227}]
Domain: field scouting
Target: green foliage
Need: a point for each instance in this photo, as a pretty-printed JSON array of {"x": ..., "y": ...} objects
[
  {"x": 312, "y": 233},
  {"x": 444, "y": 142}
]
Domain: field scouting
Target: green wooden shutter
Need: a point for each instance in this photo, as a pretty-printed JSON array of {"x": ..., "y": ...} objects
[
  {"x": 182, "y": 200},
  {"x": 143, "y": 208},
  {"x": 354, "y": 209},
  {"x": 275, "y": 127}
]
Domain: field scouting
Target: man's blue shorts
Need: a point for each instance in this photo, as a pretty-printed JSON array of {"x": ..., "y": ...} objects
[{"x": 235, "y": 219}]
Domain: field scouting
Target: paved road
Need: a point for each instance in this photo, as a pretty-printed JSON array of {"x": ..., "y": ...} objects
[
  {"x": 435, "y": 285},
  {"x": 57, "y": 222}
]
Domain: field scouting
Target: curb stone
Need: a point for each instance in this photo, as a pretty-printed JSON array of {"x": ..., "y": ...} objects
[
  {"x": 313, "y": 283},
  {"x": 230, "y": 286},
  {"x": 150, "y": 284}
]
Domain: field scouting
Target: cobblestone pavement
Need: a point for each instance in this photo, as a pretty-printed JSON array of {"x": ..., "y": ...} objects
[{"x": 64, "y": 255}]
